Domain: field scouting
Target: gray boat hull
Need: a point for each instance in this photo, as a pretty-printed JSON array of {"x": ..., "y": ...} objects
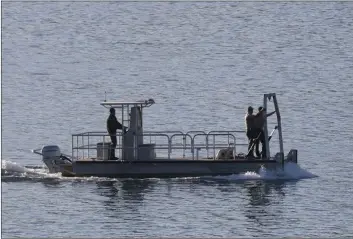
[{"x": 165, "y": 168}]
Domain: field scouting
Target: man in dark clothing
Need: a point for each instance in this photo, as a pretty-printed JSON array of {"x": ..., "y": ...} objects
[
  {"x": 112, "y": 126},
  {"x": 260, "y": 118},
  {"x": 250, "y": 130}
]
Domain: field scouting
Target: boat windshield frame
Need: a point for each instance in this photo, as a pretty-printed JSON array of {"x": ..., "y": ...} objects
[{"x": 123, "y": 104}]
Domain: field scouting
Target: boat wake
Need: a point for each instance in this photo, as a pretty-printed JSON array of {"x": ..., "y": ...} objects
[
  {"x": 11, "y": 171},
  {"x": 291, "y": 171}
]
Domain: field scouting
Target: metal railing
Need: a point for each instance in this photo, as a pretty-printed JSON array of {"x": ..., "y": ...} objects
[{"x": 192, "y": 142}]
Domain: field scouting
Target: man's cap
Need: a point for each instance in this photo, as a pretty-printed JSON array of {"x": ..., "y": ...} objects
[
  {"x": 112, "y": 110},
  {"x": 250, "y": 108}
]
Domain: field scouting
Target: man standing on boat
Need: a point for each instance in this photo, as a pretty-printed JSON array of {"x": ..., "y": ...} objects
[
  {"x": 112, "y": 126},
  {"x": 260, "y": 118},
  {"x": 250, "y": 131}
]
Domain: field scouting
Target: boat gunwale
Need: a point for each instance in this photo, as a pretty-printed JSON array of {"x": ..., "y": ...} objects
[{"x": 181, "y": 161}]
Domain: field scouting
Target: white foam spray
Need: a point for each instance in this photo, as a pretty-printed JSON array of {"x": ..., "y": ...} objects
[
  {"x": 16, "y": 172},
  {"x": 12, "y": 168},
  {"x": 291, "y": 171}
]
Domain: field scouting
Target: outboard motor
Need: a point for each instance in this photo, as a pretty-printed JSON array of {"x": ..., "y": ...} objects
[{"x": 53, "y": 158}]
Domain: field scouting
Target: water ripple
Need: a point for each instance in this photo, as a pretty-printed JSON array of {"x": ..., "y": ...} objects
[{"x": 203, "y": 63}]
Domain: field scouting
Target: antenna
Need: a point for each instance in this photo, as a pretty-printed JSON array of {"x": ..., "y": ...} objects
[{"x": 105, "y": 96}]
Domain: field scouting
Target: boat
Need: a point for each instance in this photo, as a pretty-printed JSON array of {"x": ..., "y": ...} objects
[{"x": 159, "y": 154}]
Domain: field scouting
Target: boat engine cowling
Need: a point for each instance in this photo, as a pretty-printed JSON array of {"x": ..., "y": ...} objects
[{"x": 53, "y": 158}]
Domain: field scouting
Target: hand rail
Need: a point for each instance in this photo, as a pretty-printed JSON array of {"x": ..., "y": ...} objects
[
  {"x": 184, "y": 141},
  {"x": 153, "y": 134},
  {"x": 95, "y": 133},
  {"x": 227, "y": 131},
  {"x": 169, "y": 146},
  {"x": 230, "y": 134},
  {"x": 196, "y": 132},
  {"x": 166, "y": 132},
  {"x": 225, "y": 134},
  {"x": 214, "y": 145}
]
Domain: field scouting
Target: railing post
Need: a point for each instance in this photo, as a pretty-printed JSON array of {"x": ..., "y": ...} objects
[
  {"x": 197, "y": 153},
  {"x": 235, "y": 143},
  {"x": 192, "y": 147},
  {"x": 184, "y": 145},
  {"x": 169, "y": 147},
  {"x": 122, "y": 135},
  {"x": 207, "y": 146},
  {"x": 72, "y": 146},
  {"x": 214, "y": 146},
  {"x": 104, "y": 149},
  {"x": 88, "y": 146},
  {"x": 77, "y": 146},
  {"x": 265, "y": 130}
]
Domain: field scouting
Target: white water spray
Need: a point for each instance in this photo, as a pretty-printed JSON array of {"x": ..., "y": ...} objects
[
  {"x": 291, "y": 171},
  {"x": 8, "y": 167}
]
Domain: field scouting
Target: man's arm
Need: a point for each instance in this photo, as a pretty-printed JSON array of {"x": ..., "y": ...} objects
[
  {"x": 120, "y": 126},
  {"x": 117, "y": 124},
  {"x": 270, "y": 114}
]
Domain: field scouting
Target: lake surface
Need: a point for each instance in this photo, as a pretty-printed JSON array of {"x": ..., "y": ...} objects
[{"x": 203, "y": 63}]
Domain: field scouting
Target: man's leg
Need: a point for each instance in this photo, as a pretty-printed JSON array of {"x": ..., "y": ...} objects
[
  {"x": 257, "y": 145},
  {"x": 257, "y": 151},
  {"x": 112, "y": 147},
  {"x": 262, "y": 139},
  {"x": 250, "y": 145},
  {"x": 257, "y": 142}
]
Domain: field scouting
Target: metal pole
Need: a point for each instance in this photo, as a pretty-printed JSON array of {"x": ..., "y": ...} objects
[
  {"x": 267, "y": 146},
  {"x": 141, "y": 120},
  {"x": 122, "y": 135},
  {"x": 136, "y": 137},
  {"x": 169, "y": 147},
  {"x": 207, "y": 145},
  {"x": 77, "y": 145},
  {"x": 83, "y": 147},
  {"x": 214, "y": 146},
  {"x": 192, "y": 147},
  {"x": 184, "y": 145},
  {"x": 72, "y": 146},
  {"x": 235, "y": 152},
  {"x": 279, "y": 129}
]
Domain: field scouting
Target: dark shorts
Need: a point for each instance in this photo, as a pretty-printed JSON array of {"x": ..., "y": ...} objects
[
  {"x": 260, "y": 135},
  {"x": 251, "y": 134}
]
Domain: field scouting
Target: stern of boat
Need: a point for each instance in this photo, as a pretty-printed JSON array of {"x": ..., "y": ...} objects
[{"x": 54, "y": 159}]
